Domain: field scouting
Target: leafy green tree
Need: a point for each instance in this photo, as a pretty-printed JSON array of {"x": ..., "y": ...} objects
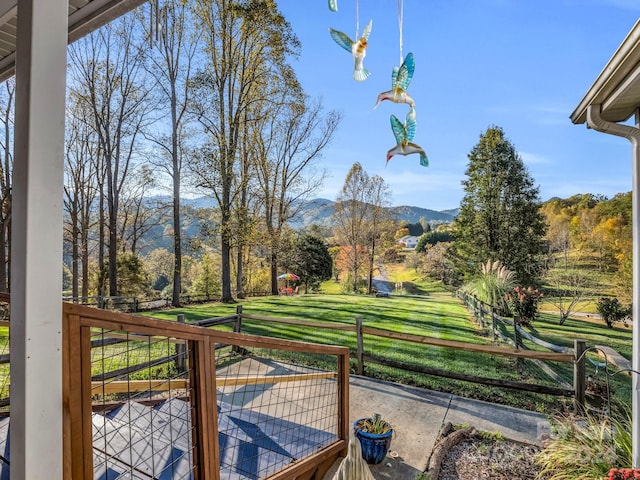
[
  {"x": 133, "y": 279},
  {"x": 435, "y": 263},
  {"x": 611, "y": 310},
  {"x": 500, "y": 216},
  {"x": 311, "y": 261},
  {"x": 431, "y": 238},
  {"x": 415, "y": 229},
  {"x": 206, "y": 281}
]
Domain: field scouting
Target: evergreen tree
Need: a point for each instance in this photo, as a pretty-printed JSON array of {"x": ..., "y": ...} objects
[
  {"x": 500, "y": 216},
  {"x": 310, "y": 260}
]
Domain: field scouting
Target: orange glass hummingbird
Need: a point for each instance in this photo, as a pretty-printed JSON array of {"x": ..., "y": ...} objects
[
  {"x": 358, "y": 49},
  {"x": 404, "y": 134},
  {"x": 400, "y": 79}
]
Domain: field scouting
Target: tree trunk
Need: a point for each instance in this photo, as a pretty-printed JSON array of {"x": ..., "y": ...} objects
[
  {"x": 177, "y": 249},
  {"x": 102, "y": 244},
  {"x": 177, "y": 227},
  {"x": 225, "y": 240},
  {"x": 75, "y": 237},
  {"x": 239, "y": 273},
  {"x": 85, "y": 261},
  {"x": 274, "y": 270},
  {"x": 371, "y": 259}
]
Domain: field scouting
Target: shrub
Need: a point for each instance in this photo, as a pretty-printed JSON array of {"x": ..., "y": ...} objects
[
  {"x": 624, "y": 474},
  {"x": 587, "y": 448},
  {"x": 611, "y": 310},
  {"x": 393, "y": 254},
  {"x": 524, "y": 303}
]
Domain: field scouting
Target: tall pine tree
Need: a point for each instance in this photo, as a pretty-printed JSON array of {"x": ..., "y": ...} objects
[{"x": 500, "y": 216}]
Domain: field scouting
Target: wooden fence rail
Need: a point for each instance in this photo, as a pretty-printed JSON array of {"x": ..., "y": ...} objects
[{"x": 558, "y": 354}]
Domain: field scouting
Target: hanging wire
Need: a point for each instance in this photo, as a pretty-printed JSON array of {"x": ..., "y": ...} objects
[
  {"x": 400, "y": 21},
  {"x": 357, "y": 20}
]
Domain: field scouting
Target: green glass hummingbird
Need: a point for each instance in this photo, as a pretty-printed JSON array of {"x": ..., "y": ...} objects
[
  {"x": 400, "y": 80},
  {"x": 404, "y": 134}
]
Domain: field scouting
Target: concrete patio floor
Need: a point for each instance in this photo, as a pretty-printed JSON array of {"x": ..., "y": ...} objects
[{"x": 417, "y": 416}]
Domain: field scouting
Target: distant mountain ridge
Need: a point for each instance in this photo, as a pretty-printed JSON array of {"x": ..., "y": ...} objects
[{"x": 319, "y": 211}]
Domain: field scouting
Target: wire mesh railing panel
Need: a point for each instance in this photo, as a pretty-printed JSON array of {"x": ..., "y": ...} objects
[
  {"x": 142, "y": 410},
  {"x": 272, "y": 412}
]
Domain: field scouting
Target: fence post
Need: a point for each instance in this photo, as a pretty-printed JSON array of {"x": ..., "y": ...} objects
[
  {"x": 517, "y": 338},
  {"x": 493, "y": 322},
  {"x": 579, "y": 370},
  {"x": 237, "y": 327},
  {"x": 360, "y": 346},
  {"x": 180, "y": 351}
]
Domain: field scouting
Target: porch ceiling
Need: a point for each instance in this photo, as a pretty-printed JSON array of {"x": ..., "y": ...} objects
[
  {"x": 617, "y": 88},
  {"x": 84, "y": 17}
]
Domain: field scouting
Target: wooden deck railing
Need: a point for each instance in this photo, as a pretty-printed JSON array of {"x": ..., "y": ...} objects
[{"x": 80, "y": 384}]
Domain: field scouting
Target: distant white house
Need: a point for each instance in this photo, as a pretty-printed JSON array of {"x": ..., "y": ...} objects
[{"x": 409, "y": 241}]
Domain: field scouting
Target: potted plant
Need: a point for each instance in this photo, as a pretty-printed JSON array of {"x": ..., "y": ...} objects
[{"x": 375, "y": 435}]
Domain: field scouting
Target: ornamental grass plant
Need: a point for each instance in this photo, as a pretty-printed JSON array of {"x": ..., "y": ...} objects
[{"x": 587, "y": 447}]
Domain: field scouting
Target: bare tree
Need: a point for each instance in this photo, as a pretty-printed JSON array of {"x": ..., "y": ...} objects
[
  {"x": 7, "y": 102},
  {"x": 137, "y": 216},
  {"x": 378, "y": 199},
  {"x": 569, "y": 285},
  {"x": 246, "y": 45},
  {"x": 287, "y": 151},
  {"x": 107, "y": 75},
  {"x": 351, "y": 211},
  {"x": 171, "y": 66},
  {"x": 80, "y": 191}
]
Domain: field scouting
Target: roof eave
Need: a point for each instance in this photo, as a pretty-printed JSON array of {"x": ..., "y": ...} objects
[{"x": 617, "y": 88}]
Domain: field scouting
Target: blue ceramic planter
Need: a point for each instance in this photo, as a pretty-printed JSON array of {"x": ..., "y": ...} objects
[{"x": 374, "y": 445}]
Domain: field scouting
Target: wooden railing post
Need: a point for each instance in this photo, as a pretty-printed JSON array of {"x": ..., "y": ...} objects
[
  {"x": 237, "y": 327},
  {"x": 579, "y": 371},
  {"x": 180, "y": 351},
  {"x": 360, "y": 346}
]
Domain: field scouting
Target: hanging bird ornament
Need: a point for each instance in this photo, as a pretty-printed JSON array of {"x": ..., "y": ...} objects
[
  {"x": 404, "y": 134},
  {"x": 400, "y": 80},
  {"x": 333, "y": 5},
  {"x": 358, "y": 49}
]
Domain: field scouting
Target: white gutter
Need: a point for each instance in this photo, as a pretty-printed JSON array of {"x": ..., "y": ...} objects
[
  {"x": 595, "y": 121},
  {"x": 620, "y": 66}
]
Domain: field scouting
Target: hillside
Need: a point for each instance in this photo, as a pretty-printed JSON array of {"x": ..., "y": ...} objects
[{"x": 319, "y": 211}]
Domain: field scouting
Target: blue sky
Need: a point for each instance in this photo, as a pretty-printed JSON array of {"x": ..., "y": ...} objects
[{"x": 523, "y": 65}]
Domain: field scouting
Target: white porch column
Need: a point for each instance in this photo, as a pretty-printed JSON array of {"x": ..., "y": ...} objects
[{"x": 36, "y": 260}]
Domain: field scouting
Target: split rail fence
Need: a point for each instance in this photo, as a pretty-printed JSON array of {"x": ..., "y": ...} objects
[{"x": 364, "y": 356}]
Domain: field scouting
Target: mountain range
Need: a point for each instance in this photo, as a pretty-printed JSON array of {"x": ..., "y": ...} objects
[{"x": 319, "y": 211}]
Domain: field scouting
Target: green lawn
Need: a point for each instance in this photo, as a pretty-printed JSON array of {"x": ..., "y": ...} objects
[{"x": 437, "y": 315}]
